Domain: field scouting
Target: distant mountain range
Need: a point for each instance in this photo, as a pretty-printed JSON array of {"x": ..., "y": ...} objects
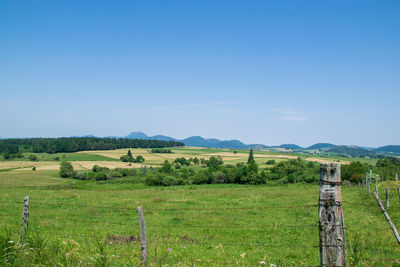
[
  {"x": 351, "y": 151},
  {"x": 195, "y": 141}
]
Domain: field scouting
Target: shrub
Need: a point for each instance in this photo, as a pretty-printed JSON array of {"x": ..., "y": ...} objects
[
  {"x": 202, "y": 177},
  {"x": 33, "y": 158},
  {"x": 161, "y": 150},
  {"x": 153, "y": 180},
  {"x": 80, "y": 175},
  {"x": 354, "y": 172},
  {"x": 139, "y": 159},
  {"x": 126, "y": 158},
  {"x": 270, "y": 162},
  {"x": 6, "y": 155},
  {"x": 66, "y": 169},
  {"x": 97, "y": 168}
]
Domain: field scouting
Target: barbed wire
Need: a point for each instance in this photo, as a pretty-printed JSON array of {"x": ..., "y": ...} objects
[
  {"x": 169, "y": 226},
  {"x": 163, "y": 209}
]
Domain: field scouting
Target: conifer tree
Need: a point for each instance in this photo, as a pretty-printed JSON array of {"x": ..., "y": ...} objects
[{"x": 251, "y": 157}]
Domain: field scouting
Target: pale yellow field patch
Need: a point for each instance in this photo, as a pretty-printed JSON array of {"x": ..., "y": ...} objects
[
  {"x": 325, "y": 160},
  {"x": 86, "y": 165},
  {"x": 13, "y": 164},
  {"x": 23, "y": 165},
  {"x": 117, "y": 153},
  {"x": 243, "y": 155}
]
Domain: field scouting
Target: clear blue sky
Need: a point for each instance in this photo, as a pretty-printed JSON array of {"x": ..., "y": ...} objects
[{"x": 266, "y": 72}]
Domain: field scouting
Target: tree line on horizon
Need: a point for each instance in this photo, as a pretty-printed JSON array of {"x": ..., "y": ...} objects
[{"x": 75, "y": 144}]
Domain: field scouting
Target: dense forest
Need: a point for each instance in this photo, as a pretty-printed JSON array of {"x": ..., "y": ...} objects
[{"x": 74, "y": 144}]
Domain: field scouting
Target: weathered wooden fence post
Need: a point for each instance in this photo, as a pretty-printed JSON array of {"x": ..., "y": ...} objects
[
  {"x": 387, "y": 198},
  {"x": 397, "y": 179},
  {"x": 25, "y": 216},
  {"x": 363, "y": 185},
  {"x": 143, "y": 236},
  {"x": 376, "y": 189},
  {"x": 332, "y": 243},
  {"x": 391, "y": 224}
]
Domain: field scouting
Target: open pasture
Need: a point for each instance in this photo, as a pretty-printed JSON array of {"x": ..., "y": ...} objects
[{"x": 79, "y": 223}]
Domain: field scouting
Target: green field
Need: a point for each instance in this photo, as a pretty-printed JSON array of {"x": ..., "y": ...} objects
[
  {"x": 64, "y": 156},
  {"x": 80, "y": 223}
]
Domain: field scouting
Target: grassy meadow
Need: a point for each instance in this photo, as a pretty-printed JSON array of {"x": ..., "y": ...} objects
[{"x": 82, "y": 223}]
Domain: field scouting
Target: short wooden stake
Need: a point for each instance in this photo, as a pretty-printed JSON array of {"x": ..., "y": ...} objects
[
  {"x": 363, "y": 185},
  {"x": 25, "y": 216},
  {"x": 143, "y": 236},
  {"x": 396, "y": 234},
  {"x": 387, "y": 198},
  {"x": 332, "y": 243}
]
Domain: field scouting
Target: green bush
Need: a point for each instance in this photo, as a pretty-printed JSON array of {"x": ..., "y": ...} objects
[
  {"x": 66, "y": 170},
  {"x": 270, "y": 162},
  {"x": 33, "y": 158},
  {"x": 161, "y": 150}
]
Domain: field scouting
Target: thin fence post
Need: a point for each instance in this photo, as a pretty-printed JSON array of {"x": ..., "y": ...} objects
[
  {"x": 369, "y": 190},
  {"x": 391, "y": 224},
  {"x": 376, "y": 189},
  {"x": 143, "y": 236},
  {"x": 25, "y": 216},
  {"x": 387, "y": 198},
  {"x": 398, "y": 192},
  {"x": 363, "y": 185},
  {"x": 332, "y": 243},
  {"x": 397, "y": 179},
  {"x": 370, "y": 176}
]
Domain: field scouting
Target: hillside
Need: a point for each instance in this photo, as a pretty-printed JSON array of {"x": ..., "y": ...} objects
[
  {"x": 352, "y": 151},
  {"x": 389, "y": 149},
  {"x": 320, "y": 146}
]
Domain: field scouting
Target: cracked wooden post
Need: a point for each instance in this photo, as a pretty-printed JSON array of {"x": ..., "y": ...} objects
[
  {"x": 387, "y": 198},
  {"x": 332, "y": 243},
  {"x": 143, "y": 236},
  {"x": 25, "y": 216}
]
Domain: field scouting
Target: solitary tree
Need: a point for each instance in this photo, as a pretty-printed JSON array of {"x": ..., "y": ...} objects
[
  {"x": 129, "y": 153},
  {"x": 251, "y": 157},
  {"x": 66, "y": 169}
]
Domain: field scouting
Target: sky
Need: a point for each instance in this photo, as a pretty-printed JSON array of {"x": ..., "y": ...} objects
[{"x": 268, "y": 72}]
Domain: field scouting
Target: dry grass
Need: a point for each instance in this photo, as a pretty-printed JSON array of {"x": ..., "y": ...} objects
[{"x": 86, "y": 165}]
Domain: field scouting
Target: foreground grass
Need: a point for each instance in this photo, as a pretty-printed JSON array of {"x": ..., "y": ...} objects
[{"x": 74, "y": 223}]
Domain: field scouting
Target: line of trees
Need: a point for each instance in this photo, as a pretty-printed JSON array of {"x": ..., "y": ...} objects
[{"x": 74, "y": 144}]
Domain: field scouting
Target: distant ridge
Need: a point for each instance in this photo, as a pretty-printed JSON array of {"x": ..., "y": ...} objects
[
  {"x": 320, "y": 146},
  {"x": 395, "y": 149},
  {"x": 193, "y": 141},
  {"x": 353, "y": 151},
  {"x": 290, "y": 146}
]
